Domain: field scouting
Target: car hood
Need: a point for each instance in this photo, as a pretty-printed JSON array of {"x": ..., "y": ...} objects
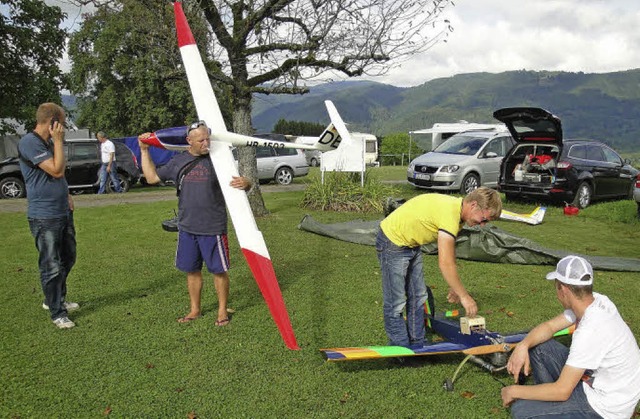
[
  {"x": 439, "y": 159},
  {"x": 531, "y": 125}
]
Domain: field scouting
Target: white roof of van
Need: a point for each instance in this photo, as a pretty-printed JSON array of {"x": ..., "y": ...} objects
[{"x": 456, "y": 127}]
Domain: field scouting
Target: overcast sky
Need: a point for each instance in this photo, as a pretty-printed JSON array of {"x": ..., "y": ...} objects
[{"x": 593, "y": 36}]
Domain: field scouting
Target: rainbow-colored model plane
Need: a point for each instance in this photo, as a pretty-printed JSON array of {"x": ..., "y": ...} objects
[{"x": 466, "y": 336}]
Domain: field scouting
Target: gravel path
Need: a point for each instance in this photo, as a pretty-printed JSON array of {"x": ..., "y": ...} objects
[{"x": 95, "y": 200}]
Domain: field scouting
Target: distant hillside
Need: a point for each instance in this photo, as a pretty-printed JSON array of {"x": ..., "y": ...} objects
[{"x": 600, "y": 106}]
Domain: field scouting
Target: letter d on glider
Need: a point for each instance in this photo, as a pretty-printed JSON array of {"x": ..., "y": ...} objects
[{"x": 250, "y": 238}]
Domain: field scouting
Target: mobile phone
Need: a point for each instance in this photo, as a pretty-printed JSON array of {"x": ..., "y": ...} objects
[{"x": 53, "y": 121}]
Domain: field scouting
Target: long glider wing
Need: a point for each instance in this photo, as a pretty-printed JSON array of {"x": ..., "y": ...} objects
[{"x": 250, "y": 238}]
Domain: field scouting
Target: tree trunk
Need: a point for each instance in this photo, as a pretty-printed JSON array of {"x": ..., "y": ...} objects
[{"x": 247, "y": 155}]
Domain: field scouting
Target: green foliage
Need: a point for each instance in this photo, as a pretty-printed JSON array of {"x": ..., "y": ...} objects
[
  {"x": 299, "y": 128},
  {"x": 127, "y": 69},
  {"x": 396, "y": 144},
  {"x": 31, "y": 44},
  {"x": 343, "y": 191}
]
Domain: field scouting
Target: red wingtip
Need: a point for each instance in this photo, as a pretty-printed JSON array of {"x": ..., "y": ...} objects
[
  {"x": 185, "y": 37},
  {"x": 153, "y": 141},
  {"x": 262, "y": 270}
]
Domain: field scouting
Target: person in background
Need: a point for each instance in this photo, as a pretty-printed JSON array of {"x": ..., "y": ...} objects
[
  {"x": 598, "y": 376},
  {"x": 427, "y": 218},
  {"x": 202, "y": 216},
  {"x": 50, "y": 209},
  {"x": 109, "y": 166}
]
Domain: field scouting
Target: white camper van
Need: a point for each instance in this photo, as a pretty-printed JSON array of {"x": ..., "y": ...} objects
[{"x": 370, "y": 147}]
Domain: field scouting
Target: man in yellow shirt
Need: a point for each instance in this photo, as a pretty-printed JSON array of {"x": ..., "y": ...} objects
[{"x": 425, "y": 219}]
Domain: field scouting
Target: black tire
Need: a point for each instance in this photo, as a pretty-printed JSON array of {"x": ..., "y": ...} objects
[
  {"x": 583, "y": 196},
  {"x": 314, "y": 162},
  {"x": 125, "y": 184},
  {"x": 12, "y": 187},
  {"x": 470, "y": 183},
  {"x": 284, "y": 176}
]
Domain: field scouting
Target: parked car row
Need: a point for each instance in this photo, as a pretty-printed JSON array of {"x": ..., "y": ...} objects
[
  {"x": 529, "y": 159},
  {"x": 81, "y": 172}
]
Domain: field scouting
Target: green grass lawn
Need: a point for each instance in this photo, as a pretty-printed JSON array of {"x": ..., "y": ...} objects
[{"x": 128, "y": 357}]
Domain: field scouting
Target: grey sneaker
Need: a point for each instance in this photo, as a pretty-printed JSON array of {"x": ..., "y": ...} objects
[
  {"x": 67, "y": 306},
  {"x": 63, "y": 323}
]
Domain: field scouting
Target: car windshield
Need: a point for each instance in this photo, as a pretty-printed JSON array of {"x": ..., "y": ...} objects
[{"x": 461, "y": 144}]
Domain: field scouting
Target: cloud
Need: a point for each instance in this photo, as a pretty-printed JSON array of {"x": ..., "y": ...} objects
[{"x": 501, "y": 35}]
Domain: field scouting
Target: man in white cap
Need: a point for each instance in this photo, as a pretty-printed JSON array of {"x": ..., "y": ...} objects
[{"x": 598, "y": 376}]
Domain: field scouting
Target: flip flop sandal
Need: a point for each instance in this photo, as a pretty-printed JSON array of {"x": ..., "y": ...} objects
[{"x": 223, "y": 322}]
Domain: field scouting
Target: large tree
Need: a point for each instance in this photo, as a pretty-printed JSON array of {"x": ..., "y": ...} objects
[
  {"x": 276, "y": 46},
  {"x": 31, "y": 44}
]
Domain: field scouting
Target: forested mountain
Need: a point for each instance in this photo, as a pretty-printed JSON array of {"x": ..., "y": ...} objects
[{"x": 599, "y": 106}]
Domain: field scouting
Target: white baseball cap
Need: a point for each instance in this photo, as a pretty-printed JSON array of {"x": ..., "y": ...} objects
[{"x": 573, "y": 270}]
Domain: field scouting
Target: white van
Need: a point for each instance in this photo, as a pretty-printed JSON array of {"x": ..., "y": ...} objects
[{"x": 370, "y": 147}]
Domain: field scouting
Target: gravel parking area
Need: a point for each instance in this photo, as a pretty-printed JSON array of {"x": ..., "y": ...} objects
[{"x": 95, "y": 200}]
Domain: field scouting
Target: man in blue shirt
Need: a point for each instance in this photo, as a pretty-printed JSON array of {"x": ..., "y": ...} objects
[{"x": 50, "y": 209}]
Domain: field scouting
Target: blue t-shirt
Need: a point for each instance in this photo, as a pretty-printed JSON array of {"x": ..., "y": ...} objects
[
  {"x": 201, "y": 206},
  {"x": 48, "y": 197}
]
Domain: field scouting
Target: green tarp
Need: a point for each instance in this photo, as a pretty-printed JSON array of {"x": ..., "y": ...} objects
[{"x": 485, "y": 244}]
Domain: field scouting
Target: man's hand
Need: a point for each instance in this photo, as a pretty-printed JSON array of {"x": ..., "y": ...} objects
[
  {"x": 143, "y": 146},
  {"x": 71, "y": 204},
  {"x": 470, "y": 306},
  {"x": 507, "y": 397},
  {"x": 240, "y": 182},
  {"x": 519, "y": 361},
  {"x": 452, "y": 297},
  {"x": 57, "y": 131}
]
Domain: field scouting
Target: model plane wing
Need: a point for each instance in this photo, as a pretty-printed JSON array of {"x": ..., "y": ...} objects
[
  {"x": 250, "y": 238},
  {"x": 442, "y": 348},
  {"x": 534, "y": 218}
]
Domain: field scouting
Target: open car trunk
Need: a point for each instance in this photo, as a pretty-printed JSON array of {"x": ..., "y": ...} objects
[{"x": 531, "y": 163}]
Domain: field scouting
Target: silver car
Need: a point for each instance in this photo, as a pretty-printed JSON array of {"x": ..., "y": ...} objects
[
  {"x": 463, "y": 162},
  {"x": 279, "y": 164}
]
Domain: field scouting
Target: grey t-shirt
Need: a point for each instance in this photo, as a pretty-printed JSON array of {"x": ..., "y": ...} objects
[
  {"x": 48, "y": 197},
  {"x": 201, "y": 206}
]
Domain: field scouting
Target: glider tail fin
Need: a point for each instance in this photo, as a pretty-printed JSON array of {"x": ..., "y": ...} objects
[{"x": 336, "y": 132}]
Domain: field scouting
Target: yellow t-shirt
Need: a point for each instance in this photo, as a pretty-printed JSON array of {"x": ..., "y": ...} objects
[{"x": 417, "y": 221}]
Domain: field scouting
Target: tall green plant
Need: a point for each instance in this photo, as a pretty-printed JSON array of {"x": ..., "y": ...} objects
[{"x": 343, "y": 191}]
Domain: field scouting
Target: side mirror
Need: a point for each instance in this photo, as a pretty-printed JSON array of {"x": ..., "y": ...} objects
[{"x": 491, "y": 154}]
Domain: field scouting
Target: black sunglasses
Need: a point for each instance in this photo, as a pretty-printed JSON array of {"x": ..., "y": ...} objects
[{"x": 196, "y": 125}]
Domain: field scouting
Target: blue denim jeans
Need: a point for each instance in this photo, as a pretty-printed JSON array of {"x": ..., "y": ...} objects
[
  {"x": 56, "y": 243},
  {"x": 402, "y": 286},
  {"x": 547, "y": 361},
  {"x": 113, "y": 174}
]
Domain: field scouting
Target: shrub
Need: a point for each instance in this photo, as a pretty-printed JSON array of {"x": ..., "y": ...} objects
[{"x": 342, "y": 191}]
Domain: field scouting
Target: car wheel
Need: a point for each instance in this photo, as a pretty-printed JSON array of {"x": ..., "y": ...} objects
[
  {"x": 314, "y": 162},
  {"x": 583, "y": 196},
  {"x": 471, "y": 182},
  {"x": 125, "y": 184},
  {"x": 12, "y": 187},
  {"x": 284, "y": 176}
]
